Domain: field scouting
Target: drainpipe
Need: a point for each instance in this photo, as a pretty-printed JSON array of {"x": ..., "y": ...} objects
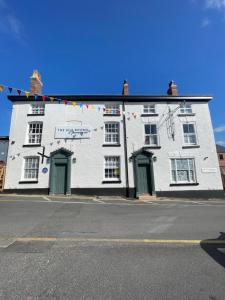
[{"x": 125, "y": 93}]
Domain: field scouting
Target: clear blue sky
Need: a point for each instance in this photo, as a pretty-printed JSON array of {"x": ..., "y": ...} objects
[{"x": 89, "y": 47}]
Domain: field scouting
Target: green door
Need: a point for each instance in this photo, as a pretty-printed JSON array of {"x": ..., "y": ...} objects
[
  {"x": 60, "y": 178},
  {"x": 143, "y": 178}
]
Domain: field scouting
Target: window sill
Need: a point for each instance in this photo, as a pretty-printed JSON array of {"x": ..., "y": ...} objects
[
  {"x": 111, "y": 145},
  {"x": 186, "y": 115},
  {"x": 152, "y": 147},
  {"x": 149, "y": 115},
  {"x": 183, "y": 184},
  {"x": 190, "y": 146},
  {"x": 35, "y": 115},
  {"x": 111, "y": 115},
  {"x": 32, "y": 145},
  {"x": 111, "y": 181},
  {"x": 28, "y": 181}
]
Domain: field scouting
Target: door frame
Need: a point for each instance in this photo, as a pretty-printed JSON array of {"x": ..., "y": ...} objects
[
  {"x": 135, "y": 157},
  {"x": 60, "y": 154}
]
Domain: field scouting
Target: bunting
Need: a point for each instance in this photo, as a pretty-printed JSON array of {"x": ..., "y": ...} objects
[{"x": 28, "y": 95}]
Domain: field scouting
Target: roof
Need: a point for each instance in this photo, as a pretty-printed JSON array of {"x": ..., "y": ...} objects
[
  {"x": 220, "y": 149},
  {"x": 129, "y": 98},
  {"x": 4, "y": 138}
]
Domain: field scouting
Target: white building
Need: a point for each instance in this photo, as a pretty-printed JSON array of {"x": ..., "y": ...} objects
[{"x": 113, "y": 145}]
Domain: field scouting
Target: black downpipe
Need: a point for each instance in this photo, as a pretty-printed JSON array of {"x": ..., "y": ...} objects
[{"x": 125, "y": 150}]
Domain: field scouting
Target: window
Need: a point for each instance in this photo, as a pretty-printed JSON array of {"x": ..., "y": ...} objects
[
  {"x": 149, "y": 109},
  {"x": 35, "y": 132},
  {"x": 112, "y": 167},
  {"x": 112, "y": 109},
  {"x": 112, "y": 133},
  {"x": 189, "y": 134},
  {"x": 37, "y": 109},
  {"x": 183, "y": 170},
  {"x": 31, "y": 166},
  {"x": 151, "y": 137},
  {"x": 185, "y": 108},
  {"x": 221, "y": 156}
]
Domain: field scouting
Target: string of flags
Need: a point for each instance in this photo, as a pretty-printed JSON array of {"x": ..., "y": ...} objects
[{"x": 22, "y": 92}]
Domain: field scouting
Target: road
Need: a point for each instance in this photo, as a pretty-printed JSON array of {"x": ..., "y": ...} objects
[{"x": 109, "y": 248}]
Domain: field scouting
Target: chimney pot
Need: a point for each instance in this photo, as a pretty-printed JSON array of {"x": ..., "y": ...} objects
[
  {"x": 125, "y": 91},
  {"x": 172, "y": 90},
  {"x": 36, "y": 83}
]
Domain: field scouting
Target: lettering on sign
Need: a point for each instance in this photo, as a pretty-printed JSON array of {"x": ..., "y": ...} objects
[
  {"x": 72, "y": 132},
  {"x": 209, "y": 170}
]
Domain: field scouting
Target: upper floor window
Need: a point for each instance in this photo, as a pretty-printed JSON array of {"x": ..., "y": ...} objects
[
  {"x": 112, "y": 168},
  {"x": 221, "y": 156},
  {"x": 31, "y": 167},
  {"x": 35, "y": 132},
  {"x": 112, "y": 109},
  {"x": 151, "y": 136},
  {"x": 112, "y": 133},
  {"x": 149, "y": 109},
  {"x": 189, "y": 134},
  {"x": 183, "y": 170},
  {"x": 37, "y": 109},
  {"x": 185, "y": 108}
]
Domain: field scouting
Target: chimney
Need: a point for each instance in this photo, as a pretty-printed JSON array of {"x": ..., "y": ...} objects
[
  {"x": 172, "y": 90},
  {"x": 125, "y": 91},
  {"x": 36, "y": 83}
]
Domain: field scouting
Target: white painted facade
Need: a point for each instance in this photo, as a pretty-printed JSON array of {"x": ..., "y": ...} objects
[{"x": 87, "y": 160}]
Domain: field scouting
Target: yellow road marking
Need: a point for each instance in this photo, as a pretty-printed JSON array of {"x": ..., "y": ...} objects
[{"x": 130, "y": 241}]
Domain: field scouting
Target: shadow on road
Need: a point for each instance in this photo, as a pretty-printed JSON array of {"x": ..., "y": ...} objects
[{"x": 215, "y": 248}]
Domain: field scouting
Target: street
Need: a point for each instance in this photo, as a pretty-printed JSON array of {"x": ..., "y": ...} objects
[{"x": 102, "y": 248}]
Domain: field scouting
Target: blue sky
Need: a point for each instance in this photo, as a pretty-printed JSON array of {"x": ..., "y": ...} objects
[{"x": 89, "y": 47}]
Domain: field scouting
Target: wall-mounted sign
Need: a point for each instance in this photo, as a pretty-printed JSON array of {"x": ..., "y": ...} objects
[
  {"x": 45, "y": 170},
  {"x": 209, "y": 170},
  {"x": 72, "y": 132}
]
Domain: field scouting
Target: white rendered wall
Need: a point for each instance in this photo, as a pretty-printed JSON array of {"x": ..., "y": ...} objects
[{"x": 88, "y": 171}]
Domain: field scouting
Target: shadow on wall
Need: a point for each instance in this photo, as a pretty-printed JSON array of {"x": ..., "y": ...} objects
[{"x": 215, "y": 248}]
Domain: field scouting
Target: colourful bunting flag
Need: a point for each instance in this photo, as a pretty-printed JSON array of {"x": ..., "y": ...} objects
[
  {"x": 99, "y": 108},
  {"x": 81, "y": 105},
  {"x": 35, "y": 97},
  {"x": 27, "y": 94},
  {"x": 87, "y": 106},
  {"x": 51, "y": 99},
  {"x": 10, "y": 89},
  {"x": 1, "y": 87},
  {"x": 65, "y": 102},
  {"x": 19, "y": 92},
  {"x": 74, "y": 103},
  {"x": 43, "y": 98}
]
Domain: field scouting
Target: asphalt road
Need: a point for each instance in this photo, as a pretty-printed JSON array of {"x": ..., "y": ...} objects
[{"x": 60, "y": 248}]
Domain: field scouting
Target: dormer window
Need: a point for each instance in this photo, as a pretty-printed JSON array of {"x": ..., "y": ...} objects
[
  {"x": 38, "y": 109},
  {"x": 185, "y": 108}
]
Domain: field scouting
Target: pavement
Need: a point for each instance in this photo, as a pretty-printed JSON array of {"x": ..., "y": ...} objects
[{"x": 111, "y": 248}]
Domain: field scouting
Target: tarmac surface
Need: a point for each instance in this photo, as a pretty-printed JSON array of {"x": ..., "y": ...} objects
[{"x": 111, "y": 248}]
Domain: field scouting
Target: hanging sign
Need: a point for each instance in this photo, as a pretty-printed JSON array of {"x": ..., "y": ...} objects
[{"x": 72, "y": 132}]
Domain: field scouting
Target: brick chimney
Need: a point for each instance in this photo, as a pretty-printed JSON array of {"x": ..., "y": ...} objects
[
  {"x": 172, "y": 90},
  {"x": 36, "y": 83},
  {"x": 125, "y": 91}
]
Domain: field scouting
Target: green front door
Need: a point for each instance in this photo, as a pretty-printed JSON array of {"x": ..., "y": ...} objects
[
  {"x": 143, "y": 178},
  {"x": 60, "y": 178}
]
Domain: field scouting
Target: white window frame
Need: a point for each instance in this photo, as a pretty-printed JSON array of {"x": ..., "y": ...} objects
[
  {"x": 112, "y": 134},
  {"x": 151, "y": 134},
  {"x": 184, "y": 110},
  {"x": 37, "y": 136},
  {"x": 112, "y": 109},
  {"x": 37, "y": 109},
  {"x": 148, "y": 109},
  {"x": 189, "y": 169},
  {"x": 116, "y": 166},
  {"x": 32, "y": 169},
  {"x": 189, "y": 134}
]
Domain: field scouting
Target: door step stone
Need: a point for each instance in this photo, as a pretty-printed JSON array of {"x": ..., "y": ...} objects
[{"x": 146, "y": 197}]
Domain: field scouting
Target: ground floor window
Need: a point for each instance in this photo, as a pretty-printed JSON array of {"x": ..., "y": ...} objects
[
  {"x": 112, "y": 168},
  {"x": 183, "y": 170},
  {"x": 31, "y": 167}
]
